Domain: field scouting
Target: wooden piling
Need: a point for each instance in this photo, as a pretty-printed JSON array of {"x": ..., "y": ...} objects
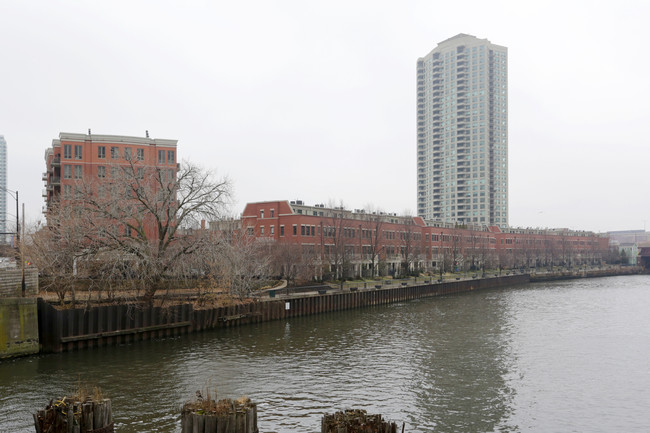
[
  {"x": 223, "y": 416},
  {"x": 356, "y": 421},
  {"x": 69, "y": 416}
]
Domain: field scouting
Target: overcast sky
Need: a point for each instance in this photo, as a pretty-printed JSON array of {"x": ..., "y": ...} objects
[{"x": 316, "y": 100}]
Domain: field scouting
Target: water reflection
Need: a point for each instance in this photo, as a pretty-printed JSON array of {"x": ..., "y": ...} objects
[{"x": 462, "y": 363}]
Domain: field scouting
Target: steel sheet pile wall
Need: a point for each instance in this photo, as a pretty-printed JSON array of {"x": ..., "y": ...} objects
[
  {"x": 71, "y": 329},
  {"x": 79, "y": 328}
]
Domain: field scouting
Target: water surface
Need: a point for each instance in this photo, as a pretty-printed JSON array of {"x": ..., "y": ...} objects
[{"x": 556, "y": 357}]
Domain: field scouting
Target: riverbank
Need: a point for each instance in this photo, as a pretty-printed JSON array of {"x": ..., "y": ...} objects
[
  {"x": 585, "y": 273},
  {"x": 73, "y": 329},
  {"x": 104, "y": 325}
]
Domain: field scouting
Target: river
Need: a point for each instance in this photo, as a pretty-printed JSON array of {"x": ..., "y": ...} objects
[{"x": 547, "y": 357}]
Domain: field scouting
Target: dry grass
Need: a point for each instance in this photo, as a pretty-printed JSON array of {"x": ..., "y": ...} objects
[
  {"x": 207, "y": 403},
  {"x": 82, "y": 392}
]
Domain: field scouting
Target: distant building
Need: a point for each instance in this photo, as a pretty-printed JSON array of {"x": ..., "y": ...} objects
[
  {"x": 629, "y": 253},
  {"x": 462, "y": 132},
  {"x": 644, "y": 255},
  {"x": 94, "y": 159},
  {"x": 629, "y": 236},
  {"x": 5, "y": 226},
  {"x": 357, "y": 243}
]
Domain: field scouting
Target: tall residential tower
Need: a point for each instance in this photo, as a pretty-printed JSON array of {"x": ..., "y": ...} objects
[{"x": 462, "y": 132}]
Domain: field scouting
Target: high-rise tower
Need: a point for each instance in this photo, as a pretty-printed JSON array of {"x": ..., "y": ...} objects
[{"x": 462, "y": 132}]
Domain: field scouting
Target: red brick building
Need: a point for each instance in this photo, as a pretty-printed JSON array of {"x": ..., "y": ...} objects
[
  {"x": 360, "y": 243},
  {"x": 94, "y": 160}
]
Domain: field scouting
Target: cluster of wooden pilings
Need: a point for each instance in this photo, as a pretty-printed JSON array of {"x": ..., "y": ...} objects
[
  {"x": 223, "y": 416},
  {"x": 69, "y": 416},
  {"x": 356, "y": 421}
]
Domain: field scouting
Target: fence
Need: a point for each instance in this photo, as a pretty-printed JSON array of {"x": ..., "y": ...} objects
[{"x": 11, "y": 280}]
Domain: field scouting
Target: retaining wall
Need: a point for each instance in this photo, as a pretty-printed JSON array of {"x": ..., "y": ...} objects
[
  {"x": 70, "y": 329},
  {"x": 18, "y": 327}
]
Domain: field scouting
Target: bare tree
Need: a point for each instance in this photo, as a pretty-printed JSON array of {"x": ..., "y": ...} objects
[
  {"x": 410, "y": 248},
  {"x": 292, "y": 262},
  {"x": 457, "y": 250},
  {"x": 473, "y": 248},
  {"x": 335, "y": 240},
  {"x": 54, "y": 250},
  {"x": 137, "y": 216},
  {"x": 244, "y": 264},
  {"x": 373, "y": 222}
]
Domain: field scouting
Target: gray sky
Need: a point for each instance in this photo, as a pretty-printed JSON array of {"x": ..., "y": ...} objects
[{"x": 316, "y": 100}]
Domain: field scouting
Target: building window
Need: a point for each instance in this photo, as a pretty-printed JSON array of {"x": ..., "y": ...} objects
[
  {"x": 170, "y": 175},
  {"x": 161, "y": 157},
  {"x": 67, "y": 190},
  {"x": 262, "y": 230},
  {"x": 295, "y": 229},
  {"x": 272, "y": 213},
  {"x": 78, "y": 151},
  {"x": 170, "y": 156},
  {"x": 272, "y": 230},
  {"x": 67, "y": 172},
  {"x": 281, "y": 230},
  {"x": 101, "y": 152},
  {"x": 115, "y": 152},
  {"x": 115, "y": 172},
  {"x": 101, "y": 171},
  {"x": 77, "y": 171},
  {"x": 140, "y": 173},
  {"x": 262, "y": 213},
  {"x": 127, "y": 153},
  {"x": 302, "y": 230},
  {"x": 67, "y": 151},
  {"x": 140, "y": 153}
]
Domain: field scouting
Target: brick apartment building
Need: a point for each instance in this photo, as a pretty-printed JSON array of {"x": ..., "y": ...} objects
[
  {"x": 402, "y": 243},
  {"x": 94, "y": 160}
]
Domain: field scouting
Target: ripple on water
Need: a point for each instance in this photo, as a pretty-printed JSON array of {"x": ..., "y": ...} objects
[{"x": 546, "y": 357}]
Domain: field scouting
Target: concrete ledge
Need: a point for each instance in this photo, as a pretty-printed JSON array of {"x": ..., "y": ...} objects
[{"x": 18, "y": 327}]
